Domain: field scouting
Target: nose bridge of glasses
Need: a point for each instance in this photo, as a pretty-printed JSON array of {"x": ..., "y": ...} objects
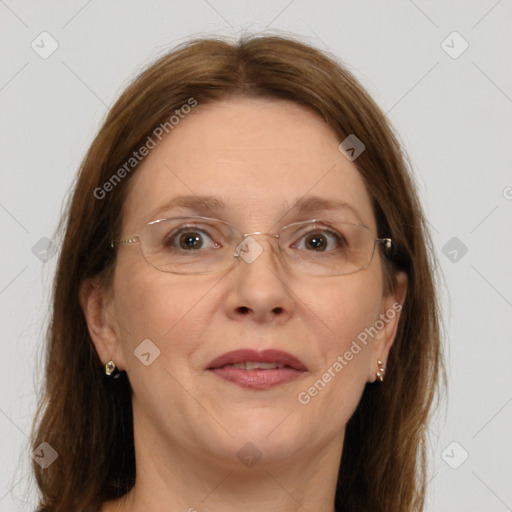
[
  {"x": 262, "y": 234},
  {"x": 249, "y": 248}
]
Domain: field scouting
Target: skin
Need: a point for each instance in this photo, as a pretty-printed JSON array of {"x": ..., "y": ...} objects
[{"x": 260, "y": 157}]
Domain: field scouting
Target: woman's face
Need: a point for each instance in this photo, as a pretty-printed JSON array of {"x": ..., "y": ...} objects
[{"x": 259, "y": 157}]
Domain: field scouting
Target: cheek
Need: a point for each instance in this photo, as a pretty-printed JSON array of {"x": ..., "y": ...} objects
[
  {"x": 163, "y": 308},
  {"x": 340, "y": 310},
  {"x": 338, "y": 315},
  {"x": 334, "y": 389}
]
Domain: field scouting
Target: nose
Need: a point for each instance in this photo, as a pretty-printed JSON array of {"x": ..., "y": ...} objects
[{"x": 259, "y": 289}]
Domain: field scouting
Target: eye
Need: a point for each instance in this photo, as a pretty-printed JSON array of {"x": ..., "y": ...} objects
[
  {"x": 320, "y": 240},
  {"x": 189, "y": 238}
]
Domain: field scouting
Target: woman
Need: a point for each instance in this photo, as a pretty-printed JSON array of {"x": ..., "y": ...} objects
[{"x": 244, "y": 308}]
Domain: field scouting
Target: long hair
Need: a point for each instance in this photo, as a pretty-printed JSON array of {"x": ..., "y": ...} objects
[{"x": 88, "y": 421}]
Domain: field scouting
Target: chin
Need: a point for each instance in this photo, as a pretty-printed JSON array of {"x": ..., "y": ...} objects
[{"x": 273, "y": 429}]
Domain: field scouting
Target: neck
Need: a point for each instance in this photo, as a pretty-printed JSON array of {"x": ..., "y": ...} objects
[{"x": 176, "y": 480}]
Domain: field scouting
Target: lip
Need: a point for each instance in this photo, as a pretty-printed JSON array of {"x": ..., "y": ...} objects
[{"x": 257, "y": 378}]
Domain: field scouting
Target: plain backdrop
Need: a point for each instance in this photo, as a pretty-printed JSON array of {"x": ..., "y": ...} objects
[{"x": 441, "y": 70}]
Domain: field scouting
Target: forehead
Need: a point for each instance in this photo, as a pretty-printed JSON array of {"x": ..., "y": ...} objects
[{"x": 258, "y": 157}]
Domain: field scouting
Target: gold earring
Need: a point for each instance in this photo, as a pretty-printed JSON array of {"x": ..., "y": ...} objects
[
  {"x": 111, "y": 370},
  {"x": 380, "y": 373}
]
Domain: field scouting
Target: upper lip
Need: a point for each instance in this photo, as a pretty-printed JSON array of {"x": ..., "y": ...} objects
[{"x": 257, "y": 356}]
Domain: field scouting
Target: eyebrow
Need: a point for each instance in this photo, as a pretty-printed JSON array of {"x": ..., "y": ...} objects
[{"x": 205, "y": 205}]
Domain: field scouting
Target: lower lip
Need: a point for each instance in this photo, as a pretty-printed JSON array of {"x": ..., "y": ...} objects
[{"x": 257, "y": 379}]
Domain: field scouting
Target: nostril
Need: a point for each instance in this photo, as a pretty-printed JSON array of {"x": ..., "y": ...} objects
[{"x": 244, "y": 310}]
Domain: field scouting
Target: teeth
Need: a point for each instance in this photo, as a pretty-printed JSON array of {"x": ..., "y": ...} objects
[
  {"x": 250, "y": 365},
  {"x": 263, "y": 366}
]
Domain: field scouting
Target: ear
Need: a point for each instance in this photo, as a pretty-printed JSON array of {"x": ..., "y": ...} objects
[
  {"x": 97, "y": 304},
  {"x": 387, "y": 324}
]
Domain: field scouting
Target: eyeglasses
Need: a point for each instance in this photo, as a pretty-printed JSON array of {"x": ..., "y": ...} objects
[{"x": 202, "y": 245}]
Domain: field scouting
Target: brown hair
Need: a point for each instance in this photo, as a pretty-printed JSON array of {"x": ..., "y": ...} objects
[{"x": 88, "y": 421}]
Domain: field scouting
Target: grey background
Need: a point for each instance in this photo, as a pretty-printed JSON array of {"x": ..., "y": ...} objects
[{"x": 453, "y": 116}]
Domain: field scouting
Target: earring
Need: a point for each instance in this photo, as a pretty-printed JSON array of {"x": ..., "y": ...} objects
[
  {"x": 380, "y": 373},
  {"x": 111, "y": 370}
]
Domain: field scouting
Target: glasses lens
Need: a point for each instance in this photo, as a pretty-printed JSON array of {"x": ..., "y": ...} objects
[
  {"x": 188, "y": 245},
  {"x": 199, "y": 245},
  {"x": 336, "y": 248}
]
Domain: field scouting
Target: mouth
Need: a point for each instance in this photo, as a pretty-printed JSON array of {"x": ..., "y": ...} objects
[{"x": 257, "y": 369}]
